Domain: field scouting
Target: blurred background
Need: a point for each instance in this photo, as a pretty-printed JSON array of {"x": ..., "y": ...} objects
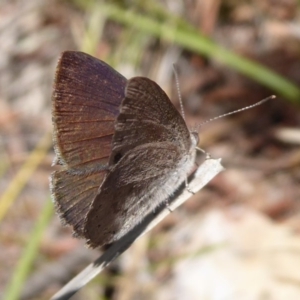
[{"x": 239, "y": 238}]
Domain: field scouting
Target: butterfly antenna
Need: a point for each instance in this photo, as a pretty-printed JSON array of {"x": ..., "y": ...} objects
[
  {"x": 178, "y": 91},
  {"x": 237, "y": 111}
]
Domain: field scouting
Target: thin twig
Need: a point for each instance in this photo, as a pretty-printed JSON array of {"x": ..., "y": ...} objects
[{"x": 208, "y": 170}]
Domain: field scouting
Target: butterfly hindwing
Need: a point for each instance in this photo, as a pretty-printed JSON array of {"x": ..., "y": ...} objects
[
  {"x": 147, "y": 115},
  {"x": 131, "y": 190},
  {"x": 150, "y": 158}
]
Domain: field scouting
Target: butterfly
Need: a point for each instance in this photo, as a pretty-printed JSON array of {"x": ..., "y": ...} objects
[{"x": 122, "y": 146}]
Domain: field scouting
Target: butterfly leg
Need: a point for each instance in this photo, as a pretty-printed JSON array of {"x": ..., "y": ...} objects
[
  {"x": 169, "y": 207},
  {"x": 187, "y": 187},
  {"x": 207, "y": 155}
]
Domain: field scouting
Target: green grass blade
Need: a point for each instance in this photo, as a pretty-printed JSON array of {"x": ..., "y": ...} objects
[
  {"x": 24, "y": 266},
  {"x": 20, "y": 180},
  {"x": 192, "y": 40}
]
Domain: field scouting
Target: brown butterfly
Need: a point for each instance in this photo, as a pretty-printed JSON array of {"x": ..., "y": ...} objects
[{"x": 123, "y": 148}]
